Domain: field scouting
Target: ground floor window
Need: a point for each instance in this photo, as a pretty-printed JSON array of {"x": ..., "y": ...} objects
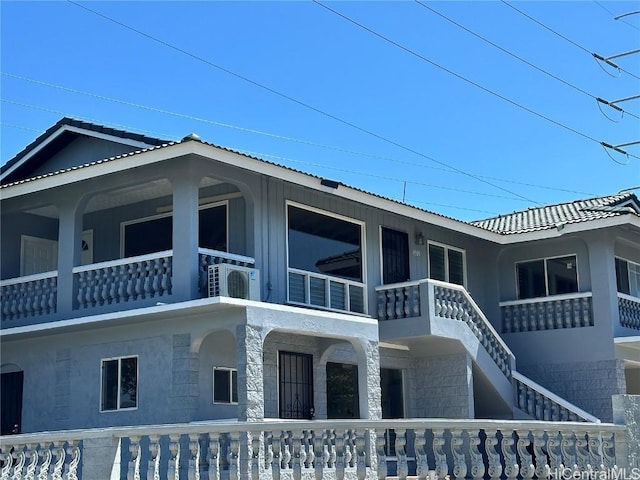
[
  {"x": 225, "y": 385},
  {"x": 295, "y": 385},
  {"x": 628, "y": 277},
  {"x": 119, "y": 383}
]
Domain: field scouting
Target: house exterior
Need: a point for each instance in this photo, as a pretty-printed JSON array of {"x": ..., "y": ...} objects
[{"x": 148, "y": 282}]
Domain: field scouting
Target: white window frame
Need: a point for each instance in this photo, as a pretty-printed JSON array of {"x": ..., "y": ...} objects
[
  {"x": 213, "y": 386},
  {"x": 446, "y": 260},
  {"x": 637, "y": 265},
  {"x": 119, "y": 359},
  {"x": 125, "y": 224},
  {"x": 546, "y": 273},
  {"x": 363, "y": 248}
]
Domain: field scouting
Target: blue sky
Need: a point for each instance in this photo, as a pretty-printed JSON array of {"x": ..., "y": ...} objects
[{"x": 371, "y": 106}]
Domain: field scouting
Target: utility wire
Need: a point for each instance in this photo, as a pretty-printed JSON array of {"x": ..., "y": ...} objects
[
  {"x": 268, "y": 134},
  {"x": 562, "y": 36},
  {"x": 614, "y": 15},
  {"x": 457, "y": 75},
  {"x": 555, "y": 77},
  {"x": 303, "y": 104}
]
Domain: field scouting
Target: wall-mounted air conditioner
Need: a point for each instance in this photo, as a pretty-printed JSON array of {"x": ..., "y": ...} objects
[{"x": 226, "y": 280}]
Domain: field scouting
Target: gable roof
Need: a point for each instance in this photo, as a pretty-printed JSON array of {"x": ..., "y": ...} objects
[
  {"x": 556, "y": 216},
  {"x": 59, "y": 136}
]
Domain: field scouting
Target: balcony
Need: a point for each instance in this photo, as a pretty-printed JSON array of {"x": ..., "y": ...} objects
[
  {"x": 629, "y": 308},
  {"x": 337, "y": 449},
  {"x": 120, "y": 284},
  {"x": 433, "y": 301},
  {"x": 547, "y": 313}
]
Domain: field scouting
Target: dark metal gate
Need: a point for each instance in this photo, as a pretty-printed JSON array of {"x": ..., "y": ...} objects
[{"x": 296, "y": 385}]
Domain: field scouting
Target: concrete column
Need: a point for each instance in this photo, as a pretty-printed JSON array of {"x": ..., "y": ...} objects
[
  {"x": 70, "y": 212},
  {"x": 369, "y": 379},
  {"x": 101, "y": 458},
  {"x": 603, "y": 285},
  {"x": 185, "y": 236},
  {"x": 249, "y": 349},
  {"x": 626, "y": 411}
]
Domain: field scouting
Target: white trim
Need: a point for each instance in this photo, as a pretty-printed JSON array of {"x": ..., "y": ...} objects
[
  {"x": 213, "y": 385},
  {"x": 446, "y": 261},
  {"x": 637, "y": 265},
  {"x": 28, "y": 278},
  {"x": 623, "y": 340},
  {"x": 628, "y": 297},
  {"x": 546, "y": 274},
  {"x": 363, "y": 252},
  {"x": 119, "y": 359},
  {"x": 123, "y": 261},
  {"x": 79, "y": 130},
  {"x": 549, "y": 298},
  {"x": 167, "y": 152}
]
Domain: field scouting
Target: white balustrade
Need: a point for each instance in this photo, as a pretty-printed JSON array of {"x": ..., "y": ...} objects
[
  {"x": 326, "y": 292},
  {"x": 29, "y": 296},
  {"x": 125, "y": 280},
  {"x": 629, "y": 308},
  {"x": 572, "y": 310},
  {"x": 332, "y": 450},
  {"x": 208, "y": 257},
  {"x": 541, "y": 404}
]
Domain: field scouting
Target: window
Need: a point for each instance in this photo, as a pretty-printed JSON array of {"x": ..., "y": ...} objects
[
  {"x": 446, "y": 263},
  {"x": 547, "y": 276},
  {"x": 628, "y": 277},
  {"x": 324, "y": 244},
  {"x": 225, "y": 385},
  {"x": 119, "y": 383},
  {"x": 155, "y": 234}
]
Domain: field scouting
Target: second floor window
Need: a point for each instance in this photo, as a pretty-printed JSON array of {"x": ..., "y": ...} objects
[
  {"x": 628, "y": 277},
  {"x": 547, "y": 276},
  {"x": 324, "y": 244},
  {"x": 446, "y": 263},
  {"x": 119, "y": 383}
]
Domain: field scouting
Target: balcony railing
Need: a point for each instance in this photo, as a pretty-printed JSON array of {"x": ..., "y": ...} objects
[
  {"x": 101, "y": 284},
  {"x": 327, "y": 292},
  {"x": 125, "y": 280},
  {"x": 547, "y": 313},
  {"x": 447, "y": 301},
  {"x": 629, "y": 308},
  {"x": 29, "y": 296},
  {"x": 207, "y": 257},
  {"x": 332, "y": 450}
]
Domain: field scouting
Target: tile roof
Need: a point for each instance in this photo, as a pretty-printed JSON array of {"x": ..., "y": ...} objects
[
  {"x": 72, "y": 122},
  {"x": 552, "y": 216}
]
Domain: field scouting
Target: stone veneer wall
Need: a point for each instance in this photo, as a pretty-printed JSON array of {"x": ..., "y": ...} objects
[
  {"x": 626, "y": 411},
  {"x": 588, "y": 385},
  {"x": 442, "y": 386}
]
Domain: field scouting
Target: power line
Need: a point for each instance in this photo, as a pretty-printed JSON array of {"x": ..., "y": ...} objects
[
  {"x": 249, "y": 130},
  {"x": 484, "y": 39},
  {"x": 301, "y": 103},
  {"x": 577, "y": 45},
  {"x": 461, "y": 77},
  {"x": 614, "y": 15}
]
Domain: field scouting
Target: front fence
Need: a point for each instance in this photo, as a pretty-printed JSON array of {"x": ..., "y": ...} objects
[{"x": 316, "y": 450}]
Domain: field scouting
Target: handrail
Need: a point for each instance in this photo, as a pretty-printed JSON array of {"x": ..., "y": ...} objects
[
  {"x": 478, "y": 310},
  {"x": 228, "y": 256},
  {"x": 631, "y": 298},
  {"x": 549, "y": 298},
  {"x": 28, "y": 278},
  {"x": 269, "y": 425},
  {"x": 122, "y": 261},
  {"x": 555, "y": 398},
  {"x": 323, "y": 276}
]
